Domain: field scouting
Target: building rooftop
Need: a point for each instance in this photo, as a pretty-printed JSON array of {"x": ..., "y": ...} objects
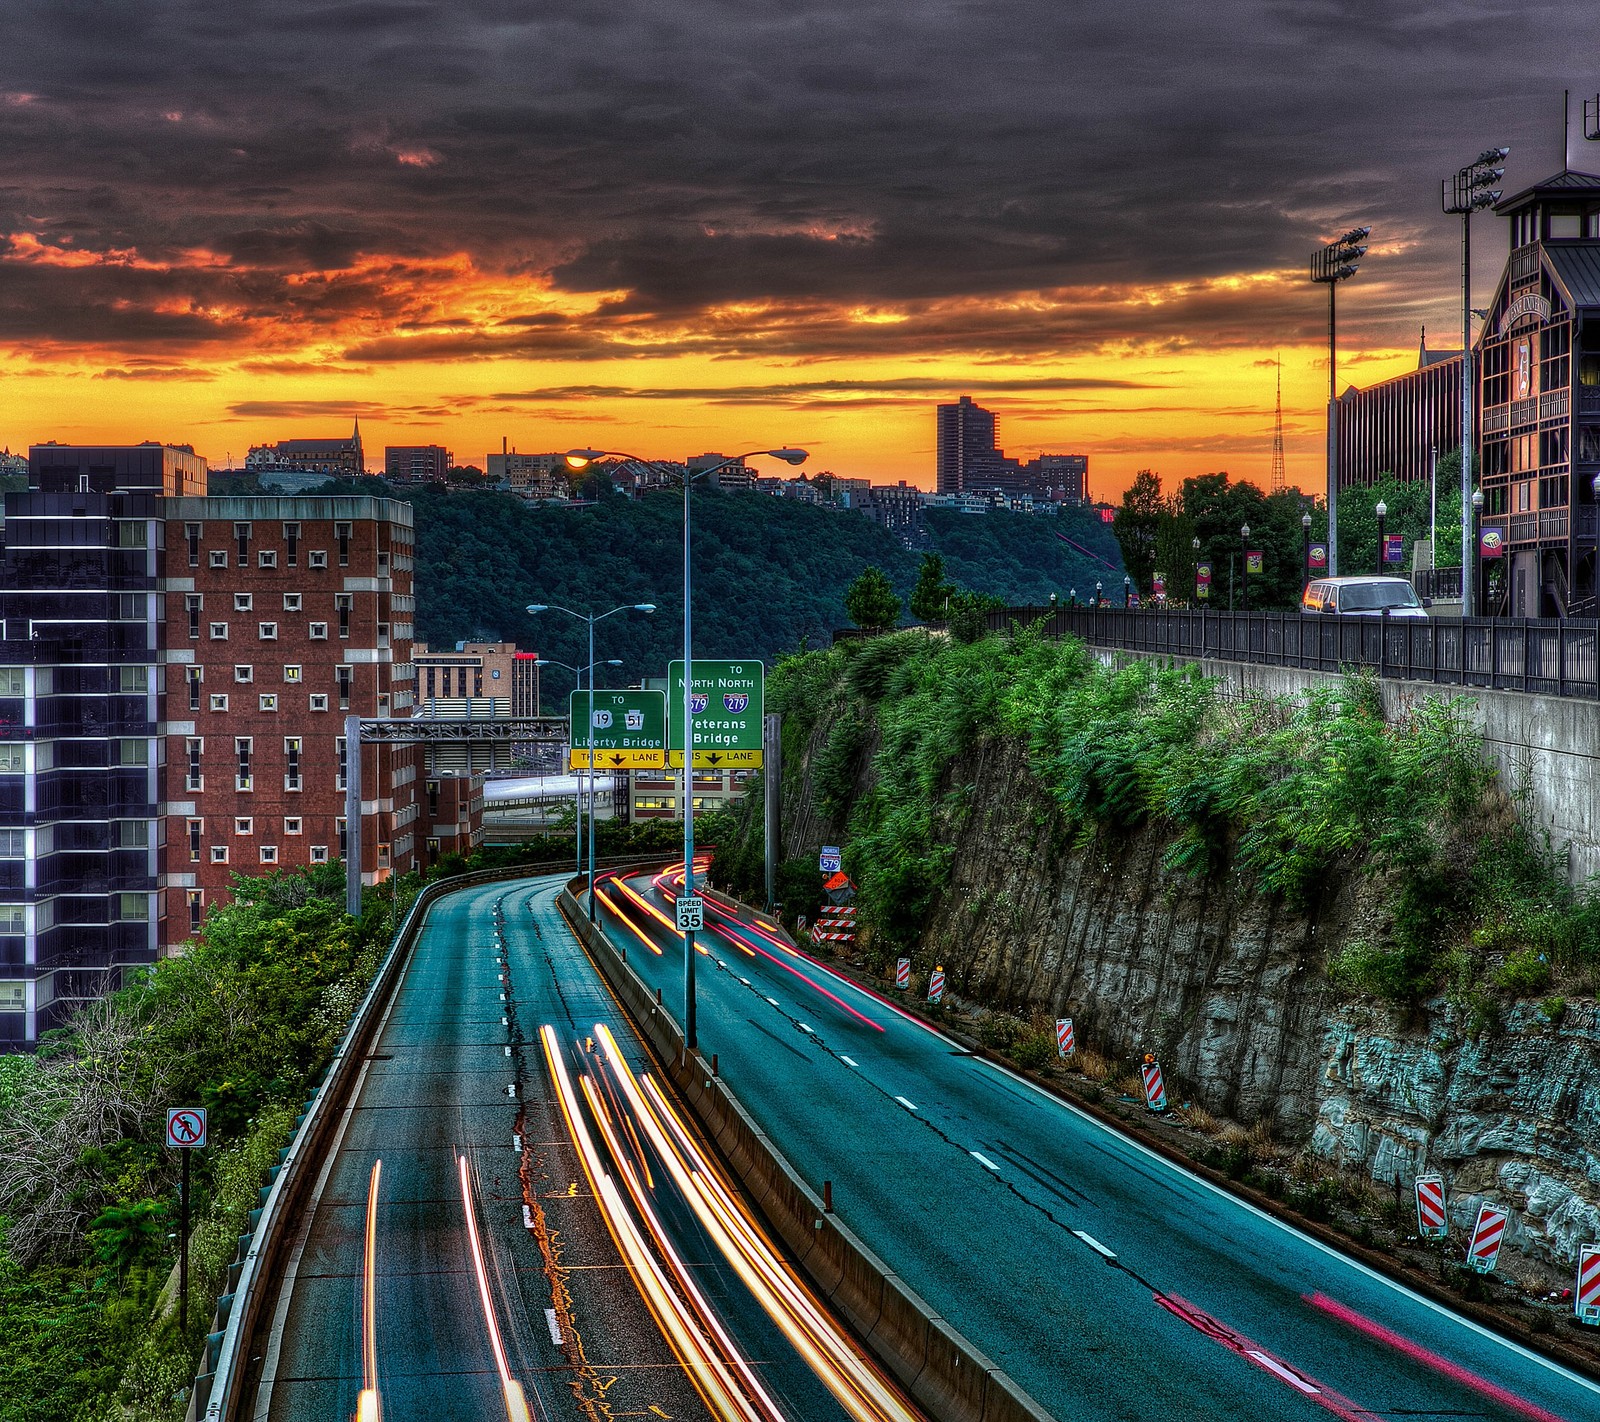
[{"x": 1562, "y": 184}]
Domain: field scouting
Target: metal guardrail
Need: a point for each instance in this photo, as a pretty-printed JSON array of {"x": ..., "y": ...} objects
[
  {"x": 219, "y": 1386},
  {"x": 1546, "y": 656}
]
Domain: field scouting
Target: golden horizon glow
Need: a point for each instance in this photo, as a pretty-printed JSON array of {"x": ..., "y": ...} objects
[{"x": 438, "y": 351}]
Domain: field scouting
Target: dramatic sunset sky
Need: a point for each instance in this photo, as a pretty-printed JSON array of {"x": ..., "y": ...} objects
[{"x": 677, "y": 225}]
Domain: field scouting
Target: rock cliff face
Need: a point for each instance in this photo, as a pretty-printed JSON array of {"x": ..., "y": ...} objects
[{"x": 1228, "y": 987}]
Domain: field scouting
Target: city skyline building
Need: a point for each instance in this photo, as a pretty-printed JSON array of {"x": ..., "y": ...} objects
[
  {"x": 417, "y": 463},
  {"x": 81, "y": 765},
  {"x": 968, "y": 460},
  {"x": 1394, "y": 427},
  {"x": 336, "y": 458}
]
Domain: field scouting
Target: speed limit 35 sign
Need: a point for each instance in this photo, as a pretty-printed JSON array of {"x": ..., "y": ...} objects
[{"x": 691, "y": 913}]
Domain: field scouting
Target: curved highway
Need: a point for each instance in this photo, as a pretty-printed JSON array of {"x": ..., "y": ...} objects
[
  {"x": 507, "y": 1226},
  {"x": 1109, "y": 1283}
]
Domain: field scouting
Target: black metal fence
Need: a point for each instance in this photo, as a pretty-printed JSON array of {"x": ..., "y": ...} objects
[{"x": 1555, "y": 658}]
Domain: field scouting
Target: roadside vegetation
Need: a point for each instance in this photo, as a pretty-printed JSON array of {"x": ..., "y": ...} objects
[
  {"x": 1292, "y": 796},
  {"x": 243, "y": 1024}
]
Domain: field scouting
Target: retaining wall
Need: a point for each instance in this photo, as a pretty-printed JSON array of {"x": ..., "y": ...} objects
[{"x": 1547, "y": 747}]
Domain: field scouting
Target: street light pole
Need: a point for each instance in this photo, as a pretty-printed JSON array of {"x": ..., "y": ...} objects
[
  {"x": 1244, "y": 555},
  {"x": 578, "y": 672},
  {"x": 1383, "y": 514},
  {"x": 1469, "y": 191},
  {"x": 1305, "y": 552},
  {"x": 577, "y": 459},
  {"x": 1334, "y": 263},
  {"x": 1471, "y": 609},
  {"x": 533, "y": 609}
]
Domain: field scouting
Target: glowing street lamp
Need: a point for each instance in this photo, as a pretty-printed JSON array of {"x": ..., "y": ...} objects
[{"x": 581, "y": 459}]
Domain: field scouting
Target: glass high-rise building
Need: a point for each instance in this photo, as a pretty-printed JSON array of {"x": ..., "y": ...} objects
[{"x": 80, "y": 716}]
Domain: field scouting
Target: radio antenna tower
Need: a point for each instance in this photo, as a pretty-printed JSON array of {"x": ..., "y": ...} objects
[{"x": 1277, "y": 436}]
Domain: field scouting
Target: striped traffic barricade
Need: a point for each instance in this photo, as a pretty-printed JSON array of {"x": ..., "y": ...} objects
[
  {"x": 1586, "y": 1299},
  {"x": 902, "y": 972},
  {"x": 1432, "y": 1222},
  {"x": 836, "y": 923},
  {"x": 1064, "y": 1043},
  {"x": 1155, "y": 1089},
  {"x": 936, "y": 986},
  {"x": 1486, "y": 1236}
]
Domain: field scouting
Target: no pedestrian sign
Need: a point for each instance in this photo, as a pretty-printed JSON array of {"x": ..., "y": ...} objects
[{"x": 186, "y": 1128}]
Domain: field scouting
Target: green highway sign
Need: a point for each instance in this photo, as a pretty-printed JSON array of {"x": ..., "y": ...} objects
[
  {"x": 629, "y": 730},
  {"x": 727, "y": 710}
]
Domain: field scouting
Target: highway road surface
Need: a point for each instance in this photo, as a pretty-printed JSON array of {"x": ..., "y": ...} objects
[
  {"x": 514, "y": 1223},
  {"x": 1109, "y": 1283}
]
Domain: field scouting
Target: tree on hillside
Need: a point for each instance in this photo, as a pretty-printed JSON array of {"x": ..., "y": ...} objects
[
  {"x": 1135, "y": 526},
  {"x": 931, "y": 596},
  {"x": 871, "y": 601},
  {"x": 1407, "y": 513}
]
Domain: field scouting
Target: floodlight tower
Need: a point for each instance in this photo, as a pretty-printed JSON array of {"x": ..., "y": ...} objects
[
  {"x": 1469, "y": 191},
  {"x": 1332, "y": 264}
]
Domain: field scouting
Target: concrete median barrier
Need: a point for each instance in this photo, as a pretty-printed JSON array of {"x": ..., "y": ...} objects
[{"x": 946, "y": 1374}]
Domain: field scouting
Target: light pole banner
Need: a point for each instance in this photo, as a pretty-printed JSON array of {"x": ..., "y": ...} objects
[
  {"x": 1394, "y": 550},
  {"x": 1318, "y": 557},
  {"x": 1492, "y": 541},
  {"x": 1253, "y": 561}
]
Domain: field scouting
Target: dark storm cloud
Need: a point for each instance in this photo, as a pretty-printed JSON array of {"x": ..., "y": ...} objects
[{"x": 811, "y": 155}]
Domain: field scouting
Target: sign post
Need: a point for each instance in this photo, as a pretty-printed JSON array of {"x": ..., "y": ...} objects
[
  {"x": 1486, "y": 1236},
  {"x": 1586, "y": 1302},
  {"x": 1432, "y": 1221},
  {"x": 1155, "y": 1089},
  {"x": 726, "y": 705},
  {"x": 186, "y": 1132},
  {"x": 772, "y": 752}
]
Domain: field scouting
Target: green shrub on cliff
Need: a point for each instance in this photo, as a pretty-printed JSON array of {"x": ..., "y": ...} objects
[{"x": 1292, "y": 793}]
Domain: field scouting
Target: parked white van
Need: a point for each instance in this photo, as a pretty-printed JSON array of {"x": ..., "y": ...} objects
[{"x": 1363, "y": 597}]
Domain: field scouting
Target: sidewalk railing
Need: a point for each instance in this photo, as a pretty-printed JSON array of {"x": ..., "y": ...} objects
[{"x": 1547, "y": 656}]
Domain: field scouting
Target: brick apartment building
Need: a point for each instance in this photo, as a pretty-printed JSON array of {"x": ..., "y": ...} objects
[
  {"x": 417, "y": 463},
  {"x": 452, "y": 814},
  {"x": 284, "y": 616}
]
